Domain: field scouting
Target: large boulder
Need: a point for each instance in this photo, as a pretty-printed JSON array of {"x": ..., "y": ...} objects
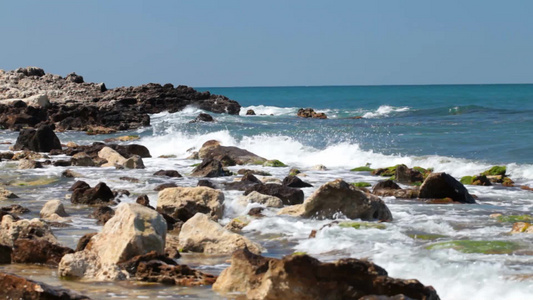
[
  {"x": 295, "y": 182},
  {"x": 405, "y": 175},
  {"x": 210, "y": 168},
  {"x": 299, "y": 277},
  {"x": 230, "y": 155},
  {"x": 41, "y": 140},
  {"x": 100, "y": 194},
  {"x": 176, "y": 201},
  {"x": 201, "y": 234},
  {"x": 442, "y": 185},
  {"x": 289, "y": 196},
  {"x": 388, "y": 188},
  {"x": 341, "y": 197},
  {"x": 16, "y": 287},
  {"x": 53, "y": 207},
  {"x": 27, "y": 251},
  {"x": 34, "y": 229},
  {"x": 134, "y": 230},
  {"x": 114, "y": 158}
]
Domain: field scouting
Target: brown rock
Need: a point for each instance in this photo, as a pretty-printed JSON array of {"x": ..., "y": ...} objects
[
  {"x": 100, "y": 194},
  {"x": 84, "y": 240},
  {"x": 5, "y": 254},
  {"x": 210, "y": 168},
  {"x": 168, "y": 173},
  {"x": 289, "y": 196},
  {"x": 27, "y": 251},
  {"x": 442, "y": 185},
  {"x": 310, "y": 113},
  {"x": 102, "y": 214}
]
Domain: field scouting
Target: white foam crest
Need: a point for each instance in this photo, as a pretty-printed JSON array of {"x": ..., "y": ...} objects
[
  {"x": 269, "y": 110},
  {"x": 383, "y": 111}
]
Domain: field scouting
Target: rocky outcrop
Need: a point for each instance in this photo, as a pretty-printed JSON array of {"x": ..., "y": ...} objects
[
  {"x": 100, "y": 194},
  {"x": 210, "y": 168},
  {"x": 34, "y": 229},
  {"x": 203, "y": 118},
  {"x": 405, "y": 175},
  {"x": 114, "y": 159},
  {"x": 295, "y": 182},
  {"x": 53, "y": 207},
  {"x": 77, "y": 105},
  {"x": 229, "y": 156},
  {"x": 184, "y": 202},
  {"x": 16, "y": 287},
  {"x": 442, "y": 185},
  {"x": 42, "y": 139},
  {"x": 200, "y": 234},
  {"x": 310, "y": 113},
  {"x": 389, "y": 188},
  {"x": 341, "y": 197},
  {"x": 102, "y": 214},
  {"x": 27, "y": 251},
  {"x": 6, "y": 194},
  {"x": 134, "y": 230},
  {"x": 246, "y": 181},
  {"x": 266, "y": 200},
  {"x": 300, "y": 277},
  {"x": 289, "y": 196},
  {"x": 168, "y": 173}
]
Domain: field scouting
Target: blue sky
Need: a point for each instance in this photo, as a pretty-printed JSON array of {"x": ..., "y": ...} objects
[{"x": 271, "y": 43}]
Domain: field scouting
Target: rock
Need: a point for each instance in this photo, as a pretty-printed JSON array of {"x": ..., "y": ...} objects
[
  {"x": 175, "y": 202},
  {"x": 82, "y": 159},
  {"x": 165, "y": 186},
  {"x": 31, "y": 71},
  {"x": 79, "y": 185},
  {"x": 168, "y": 173},
  {"x": 157, "y": 271},
  {"x": 256, "y": 212},
  {"x": 16, "y": 287},
  {"x": 256, "y": 197},
  {"x": 200, "y": 234},
  {"x": 250, "y": 112},
  {"x": 53, "y": 207},
  {"x": 73, "y": 77},
  {"x": 62, "y": 163},
  {"x": 41, "y": 100},
  {"x": 210, "y": 168},
  {"x": 522, "y": 227},
  {"x": 319, "y": 168},
  {"x": 310, "y": 113},
  {"x": 35, "y": 229},
  {"x": 15, "y": 209},
  {"x": 134, "y": 162},
  {"x": 27, "y": 251},
  {"x": 144, "y": 201},
  {"x": 233, "y": 155},
  {"x": 130, "y": 179},
  {"x": 102, "y": 214},
  {"x": 203, "y": 118},
  {"x": 84, "y": 240},
  {"x": 341, "y": 197},
  {"x": 388, "y": 188},
  {"x": 407, "y": 176},
  {"x": 255, "y": 172},
  {"x": 206, "y": 183},
  {"x": 132, "y": 264},
  {"x": 295, "y": 182},
  {"x": 70, "y": 174},
  {"x": 41, "y": 140},
  {"x": 134, "y": 230},
  {"x": 289, "y": 196},
  {"x": 5, "y": 254},
  {"x": 25, "y": 164},
  {"x": 303, "y": 277},
  {"x": 95, "y": 130},
  {"x": 114, "y": 158},
  {"x": 131, "y": 149},
  {"x": 442, "y": 185},
  {"x": 6, "y": 194},
  {"x": 100, "y": 194},
  {"x": 124, "y": 138},
  {"x": 247, "y": 181}
]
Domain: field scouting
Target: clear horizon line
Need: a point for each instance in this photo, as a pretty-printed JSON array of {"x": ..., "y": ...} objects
[{"x": 358, "y": 85}]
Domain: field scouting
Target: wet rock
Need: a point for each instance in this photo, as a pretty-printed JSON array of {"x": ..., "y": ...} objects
[
  {"x": 165, "y": 186},
  {"x": 5, "y": 254},
  {"x": 175, "y": 202},
  {"x": 157, "y": 271},
  {"x": 27, "y": 251},
  {"x": 266, "y": 200},
  {"x": 16, "y": 287},
  {"x": 237, "y": 224},
  {"x": 202, "y": 117},
  {"x": 132, "y": 264},
  {"x": 29, "y": 164},
  {"x": 289, "y": 196},
  {"x": 405, "y": 175},
  {"x": 130, "y": 179},
  {"x": 82, "y": 159},
  {"x": 34, "y": 229},
  {"x": 144, "y": 201},
  {"x": 131, "y": 149},
  {"x": 134, "y": 230},
  {"x": 310, "y": 113},
  {"x": 388, "y": 188},
  {"x": 41, "y": 140},
  {"x": 168, "y": 173},
  {"x": 62, "y": 163},
  {"x": 70, "y": 174},
  {"x": 304, "y": 277},
  {"x": 15, "y": 209},
  {"x": 100, "y": 194},
  {"x": 247, "y": 181},
  {"x": 295, "y": 182},
  {"x": 250, "y": 112},
  {"x": 210, "y": 168},
  {"x": 102, "y": 214},
  {"x": 6, "y": 194},
  {"x": 116, "y": 159},
  {"x": 522, "y": 227},
  {"x": 84, "y": 240},
  {"x": 213, "y": 150},
  {"x": 255, "y": 172},
  {"x": 79, "y": 185},
  {"x": 442, "y": 185},
  {"x": 206, "y": 183},
  {"x": 53, "y": 207},
  {"x": 337, "y": 197},
  {"x": 256, "y": 212},
  {"x": 200, "y": 234}
]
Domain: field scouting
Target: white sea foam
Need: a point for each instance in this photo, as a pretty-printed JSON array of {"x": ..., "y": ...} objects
[
  {"x": 269, "y": 110},
  {"x": 383, "y": 111}
]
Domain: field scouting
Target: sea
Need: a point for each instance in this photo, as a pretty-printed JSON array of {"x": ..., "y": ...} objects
[{"x": 458, "y": 129}]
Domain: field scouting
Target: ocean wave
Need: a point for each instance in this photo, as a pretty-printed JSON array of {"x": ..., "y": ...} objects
[
  {"x": 384, "y": 111},
  {"x": 269, "y": 110}
]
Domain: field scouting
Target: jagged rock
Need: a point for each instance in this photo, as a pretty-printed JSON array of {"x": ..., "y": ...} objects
[
  {"x": 132, "y": 264},
  {"x": 303, "y": 277},
  {"x": 134, "y": 230},
  {"x": 232, "y": 155},
  {"x": 35, "y": 229},
  {"x": 27, "y": 251},
  {"x": 203, "y": 118},
  {"x": 6, "y": 194},
  {"x": 405, "y": 175},
  {"x": 144, "y": 201},
  {"x": 337, "y": 197},
  {"x": 442, "y": 185},
  {"x": 388, "y": 188},
  {"x": 100, "y": 194},
  {"x": 84, "y": 240},
  {"x": 73, "y": 77},
  {"x": 53, "y": 207},
  {"x": 79, "y": 185},
  {"x": 82, "y": 159},
  {"x": 16, "y": 287},
  {"x": 289, "y": 196},
  {"x": 102, "y": 214},
  {"x": 114, "y": 158},
  {"x": 15, "y": 209},
  {"x": 168, "y": 173},
  {"x": 256, "y": 197},
  {"x": 200, "y": 234},
  {"x": 157, "y": 271},
  {"x": 182, "y": 202},
  {"x": 25, "y": 164},
  {"x": 206, "y": 183},
  {"x": 295, "y": 182},
  {"x": 210, "y": 168},
  {"x": 41, "y": 140},
  {"x": 250, "y": 112},
  {"x": 310, "y": 113},
  {"x": 247, "y": 181},
  {"x": 5, "y": 254}
]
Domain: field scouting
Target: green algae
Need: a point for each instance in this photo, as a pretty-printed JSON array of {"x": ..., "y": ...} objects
[
  {"x": 362, "y": 225},
  {"x": 362, "y": 169},
  {"x": 467, "y": 180},
  {"x": 426, "y": 236},
  {"x": 485, "y": 247},
  {"x": 36, "y": 182},
  {"x": 274, "y": 163},
  {"x": 515, "y": 218},
  {"x": 496, "y": 170},
  {"x": 361, "y": 184},
  {"x": 299, "y": 253}
]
